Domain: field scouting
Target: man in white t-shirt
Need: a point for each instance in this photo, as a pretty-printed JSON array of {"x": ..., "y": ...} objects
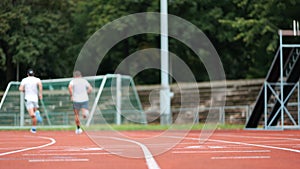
[
  {"x": 32, "y": 87},
  {"x": 79, "y": 88}
]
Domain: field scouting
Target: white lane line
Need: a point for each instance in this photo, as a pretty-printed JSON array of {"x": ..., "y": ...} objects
[
  {"x": 257, "y": 145},
  {"x": 151, "y": 163},
  {"x": 217, "y": 151},
  {"x": 262, "y": 137},
  {"x": 230, "y": 147},
  {"x": 247, "y": 144},
  {"x": 11, "y": 148},
  {"x": 60, "y": 160},
  {"x": 239, "y": 157},
  {"x": 70, "y": 149},
  {"x": 66, "y": 154},
  {"x": 75, "y": 149},
  {"x": 32, "y": 148}
]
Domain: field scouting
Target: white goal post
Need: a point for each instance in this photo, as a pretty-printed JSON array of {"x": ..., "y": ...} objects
[{"x": 114, "y": 100}]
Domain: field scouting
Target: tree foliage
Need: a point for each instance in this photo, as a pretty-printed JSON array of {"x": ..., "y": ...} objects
[
  {"x": 255, "y": 30},
  {"x": 33, "y": 33},
  {"x": 48, "y": 35}
]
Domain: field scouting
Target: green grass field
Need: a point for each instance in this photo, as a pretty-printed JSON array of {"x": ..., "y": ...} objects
[
  {"x": 165, "y": 127},
  {"x": 135, "y": 127}
]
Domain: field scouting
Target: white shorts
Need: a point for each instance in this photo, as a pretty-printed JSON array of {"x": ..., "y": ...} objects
[{"x": 31, "y": 104}]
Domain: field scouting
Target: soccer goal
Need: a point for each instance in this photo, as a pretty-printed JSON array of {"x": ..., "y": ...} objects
[{"x": 114, "y": 100}]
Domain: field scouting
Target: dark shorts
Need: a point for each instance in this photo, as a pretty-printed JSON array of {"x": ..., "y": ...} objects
[{"x": 80, "y": 105}]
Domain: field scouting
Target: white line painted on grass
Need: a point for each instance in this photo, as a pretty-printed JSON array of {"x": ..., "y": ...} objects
[
  {"x": 32, "y": 148},
  {"x": 239, "y": 157}
]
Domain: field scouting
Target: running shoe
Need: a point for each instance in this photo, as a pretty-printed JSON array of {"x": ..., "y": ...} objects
[
  {"x": 33, "y": 130},
  {"x": 78, "y": 131}
]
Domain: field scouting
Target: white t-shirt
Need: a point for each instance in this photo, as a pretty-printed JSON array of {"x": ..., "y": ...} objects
[
  {"x": 80, "y": 87},
  {"x": 30, "y": 84}
]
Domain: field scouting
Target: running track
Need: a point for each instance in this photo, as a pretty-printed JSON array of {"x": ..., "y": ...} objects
[{"x": 233, "y": 149}]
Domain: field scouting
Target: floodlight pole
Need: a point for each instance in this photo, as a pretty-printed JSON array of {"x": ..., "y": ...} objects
[{"x": 165, "y": 94}]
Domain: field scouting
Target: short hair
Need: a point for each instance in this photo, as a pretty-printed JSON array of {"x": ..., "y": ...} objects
[
  {"x": 30, "y": 72},
  {"x": 77, "y": 73}
]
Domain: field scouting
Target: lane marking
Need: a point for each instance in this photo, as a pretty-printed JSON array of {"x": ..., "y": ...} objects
[
  {"x": 239, "y": 157},
  {"x": 59, "y": 160},
  {"x": 225, "y": 151},
  {"x": 62, "y": 148},
  {"x": 216, "y": 147},
  {"x": 247, "y": 144},
  {"x": 91, "y": 149},
  {"x": 262, "y": 137},
  {"x": 257, "y": 145},
  {"x": 66, "y": 154},
  {"x": 194, "y": 147},
  {"x": 53, "y": 141},
  {"x": 151, "y": 163},
  {"x": 70, "y": 148}
]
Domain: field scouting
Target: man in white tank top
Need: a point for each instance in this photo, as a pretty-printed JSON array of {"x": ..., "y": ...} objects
[
  {"x": 79, "y": 88},
  {"x": 32, "y": 87}
]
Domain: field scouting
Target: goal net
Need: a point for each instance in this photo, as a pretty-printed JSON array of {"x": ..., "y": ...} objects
[{"x": 114, "y": 100}]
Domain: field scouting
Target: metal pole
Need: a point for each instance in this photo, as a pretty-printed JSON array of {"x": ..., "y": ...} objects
[
  {"x": 266, "y": 105},
  {"x": 118, "y": 99},
  {"x": 281, "y": 80},
  {"x": 144, "y": 121},
  {"x": 298, "y": 104},
  {"x": 22, "y": 109},
  {"x": 165, "y": 101},
  {"x": 247, "y": 112},
  {"x": 297, "y": 27},
  {"x": 294, "y": 27},
  {"x": 5, "y": 94},
  {"x": 96, "y": 101},
  {"x": 222, "y": 115}
]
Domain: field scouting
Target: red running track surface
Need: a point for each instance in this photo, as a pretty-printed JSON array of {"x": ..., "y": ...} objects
[{"x": 232, "y": 149}]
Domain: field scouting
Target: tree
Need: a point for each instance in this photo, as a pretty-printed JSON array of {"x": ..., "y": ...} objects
[
  {"x": 48, "y": 35},
  {"x": 256, "y": 27},
  {"x": 33, "y": 34},
  {"x": 97, "y": 13}
]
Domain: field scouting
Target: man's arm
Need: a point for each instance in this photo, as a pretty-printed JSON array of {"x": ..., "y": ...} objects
[
  {"x": 40, "y": 90},
  {"x": 70, "y": 87},
  {"x": 90, "y": 88},
  {"x": 21, "y": 88}
]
